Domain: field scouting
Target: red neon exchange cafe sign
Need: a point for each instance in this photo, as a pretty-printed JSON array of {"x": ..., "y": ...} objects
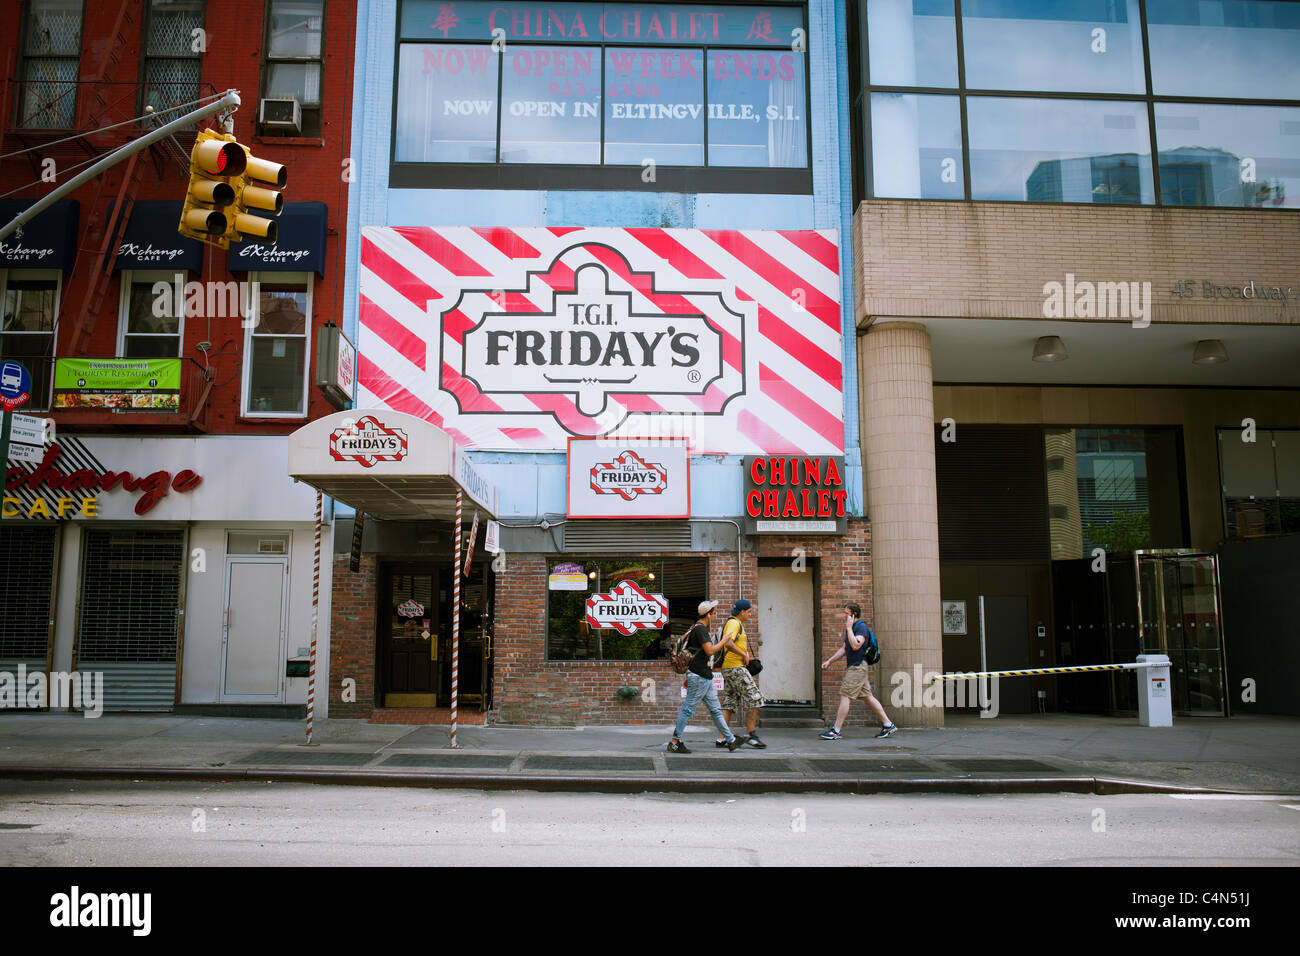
[
  {"x": 154, "y": 486},
  {"x": 795, "y": 488}
]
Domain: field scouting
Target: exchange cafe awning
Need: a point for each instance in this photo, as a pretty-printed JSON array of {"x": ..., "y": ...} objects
[
  {"x": 299, "y": 245},
  {"x": 152, "y": 242},
  {"x": 388, "y": 464},
  {"x": 48, "y": 242}
]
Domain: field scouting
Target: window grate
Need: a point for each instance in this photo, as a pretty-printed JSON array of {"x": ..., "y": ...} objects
[
  {"x": 130, "y": 595},
  {"x": 26, "y": 567}
]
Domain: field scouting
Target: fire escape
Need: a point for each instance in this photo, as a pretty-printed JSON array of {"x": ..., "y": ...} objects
[{"x": 42, "y": 112}]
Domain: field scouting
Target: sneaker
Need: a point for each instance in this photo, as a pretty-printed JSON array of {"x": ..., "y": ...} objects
[
  {"x": 886, "y": 730},
  {"x": 677, "y": 747},
  {"x": 831, "y": 734},
  {"x": 723, "y": 743},
  {"x": 754, "y": 742},
  {"x": 733, "y": 744}
]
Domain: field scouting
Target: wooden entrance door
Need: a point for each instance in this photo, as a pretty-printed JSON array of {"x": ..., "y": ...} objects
[{"x": 408, "y": 637}]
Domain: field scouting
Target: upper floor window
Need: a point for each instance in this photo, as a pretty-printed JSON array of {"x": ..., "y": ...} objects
[
  {"x": 51, "y": 57},
  {"x": 175, "y": 42},
  {"x": 1020, "y": 100},
  {"x": 275, "y": 348},
  {"x": 602, "y": 95},
  {"x": 292, "y": 71},
  {"x": 149, "y": 327},
  {"x": 28, "y": 325}
]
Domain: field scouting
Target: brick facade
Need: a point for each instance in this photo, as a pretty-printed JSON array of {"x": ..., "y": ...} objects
[
  {"x": 353, "y": 636},
  {"x": 531, "y": 690}
]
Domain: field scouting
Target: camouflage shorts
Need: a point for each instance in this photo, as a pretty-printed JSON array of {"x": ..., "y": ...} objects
[{"x": 739, "y": 689}]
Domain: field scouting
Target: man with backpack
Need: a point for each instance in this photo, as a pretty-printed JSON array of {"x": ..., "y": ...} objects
[
  {"x": 860, "y": 651},
  {"x": 699, "y": 679}
]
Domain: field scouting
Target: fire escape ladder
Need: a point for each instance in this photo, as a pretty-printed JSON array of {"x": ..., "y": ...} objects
[{"x": 102, "y": 237}]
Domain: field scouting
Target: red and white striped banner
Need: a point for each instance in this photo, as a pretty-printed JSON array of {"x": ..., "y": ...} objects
[{"x": 521, "y": 338}]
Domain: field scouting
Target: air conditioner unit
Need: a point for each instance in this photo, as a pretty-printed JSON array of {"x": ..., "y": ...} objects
[{"x": 284, "y": 114}]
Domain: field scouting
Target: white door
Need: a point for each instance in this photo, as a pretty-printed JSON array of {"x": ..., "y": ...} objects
[
  {"x": 785, "y": 601},
  {"x": 253, "y": 663}
]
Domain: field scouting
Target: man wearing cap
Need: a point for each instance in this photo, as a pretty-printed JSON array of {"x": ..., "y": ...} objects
[
  {"x": 739, "y": 689},
  {"x": 699, "y": 683}
]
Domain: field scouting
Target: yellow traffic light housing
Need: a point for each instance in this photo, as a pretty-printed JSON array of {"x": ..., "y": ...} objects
[
  {"x": 214, "y": 158},
  {"x": 252, "y": 193}
]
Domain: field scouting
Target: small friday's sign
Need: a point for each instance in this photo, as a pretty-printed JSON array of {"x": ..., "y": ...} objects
[{"x": 627, "y": 609}]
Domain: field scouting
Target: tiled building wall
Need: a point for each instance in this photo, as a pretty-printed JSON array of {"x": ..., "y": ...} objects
[{"x": 991, "y": 260}]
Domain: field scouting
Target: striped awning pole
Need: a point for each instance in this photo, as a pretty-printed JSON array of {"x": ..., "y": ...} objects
[
  {"x": 455, "y": 621},
  {"x": 1050, "y": 670},
  {"x": 315, "y": 616}
]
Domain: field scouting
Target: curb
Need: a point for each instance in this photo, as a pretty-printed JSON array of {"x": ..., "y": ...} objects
[{"x": 616, "y": 783}]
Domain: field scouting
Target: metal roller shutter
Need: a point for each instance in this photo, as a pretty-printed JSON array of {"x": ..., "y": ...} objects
[
  {"x": 130, "y": 603},
  {"x": 27, "y": 570}
]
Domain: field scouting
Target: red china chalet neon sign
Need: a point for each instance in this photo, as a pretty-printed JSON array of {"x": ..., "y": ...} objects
[
  {"x": 795, "y": 488},
  {"x": 154, "y": 486}
]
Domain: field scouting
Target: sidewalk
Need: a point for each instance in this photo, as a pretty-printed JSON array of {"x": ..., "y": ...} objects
[{"x": 1038, "y": 753}]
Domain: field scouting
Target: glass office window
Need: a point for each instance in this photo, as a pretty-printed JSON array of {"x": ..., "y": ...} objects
[
  {"x": 911, "y": 42},
  {"x": 1059, "y": 150},
  {"x": 916, "y": 146},
  {"x": 550, "y": 99},
  {"x": 1076, "y": 46},
  {"x": 1224, "y": 48},
  {"x": 757, "y": 109},
  {"x": 1228, "y": 155},
  {"x": 654, "y": 106},
  {"x": 447, "y": 103}
]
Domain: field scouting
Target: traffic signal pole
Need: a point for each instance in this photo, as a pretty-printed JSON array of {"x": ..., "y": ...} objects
[{"x": 229, "y": 101}]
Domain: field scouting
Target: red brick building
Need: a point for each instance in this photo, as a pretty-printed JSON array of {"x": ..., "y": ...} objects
[{"x": 103, "y": 276}]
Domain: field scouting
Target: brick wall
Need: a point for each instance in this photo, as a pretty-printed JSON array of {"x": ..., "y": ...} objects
[
  {"x": 991, "y": 260},
  {"x": 353, "y": 636},
  {"x": 531, "y": 690}
]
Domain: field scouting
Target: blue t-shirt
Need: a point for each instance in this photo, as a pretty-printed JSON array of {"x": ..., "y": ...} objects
[{"x": 854, "y": 658}]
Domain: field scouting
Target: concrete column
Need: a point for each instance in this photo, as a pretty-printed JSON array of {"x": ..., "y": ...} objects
[{"x": 898, "y": 462}]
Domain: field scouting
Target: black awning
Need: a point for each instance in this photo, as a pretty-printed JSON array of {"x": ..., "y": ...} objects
[
  {"x": 300, "y": 246},
  {"x": 48, "y": 242},
  {"x": 152, "y": 242}
]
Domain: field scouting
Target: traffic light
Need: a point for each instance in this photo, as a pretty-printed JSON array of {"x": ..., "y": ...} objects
[
  {"x": 252, "y": 193},
  {"x": 215, "y": 157}
]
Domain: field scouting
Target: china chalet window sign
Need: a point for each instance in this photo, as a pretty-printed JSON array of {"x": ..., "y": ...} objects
[
  {"x": 521, "y": 338},
  {"x": 616, "y": 479}
]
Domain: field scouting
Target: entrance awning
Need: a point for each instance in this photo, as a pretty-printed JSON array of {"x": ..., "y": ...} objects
[
  {"x": 387, "y": 464},
  {"x": 48, "y": 242},
  {"x": 300, "y": 246},
  {"x": 152, "y": 242}
]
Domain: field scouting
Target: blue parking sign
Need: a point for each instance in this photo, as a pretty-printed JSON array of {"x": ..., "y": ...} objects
[{"x": 15, "y": 384}]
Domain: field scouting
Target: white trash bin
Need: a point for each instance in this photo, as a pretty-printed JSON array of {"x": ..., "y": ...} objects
[{"x": 1155, "y": 701}]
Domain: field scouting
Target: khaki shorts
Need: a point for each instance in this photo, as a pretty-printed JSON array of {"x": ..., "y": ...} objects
[
  {"x": 857, "y": 682},
  {"x": 739, "y": 691}
]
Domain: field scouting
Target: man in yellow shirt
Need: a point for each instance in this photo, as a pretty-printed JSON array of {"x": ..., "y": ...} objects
[{"x": 739, "y": 689}]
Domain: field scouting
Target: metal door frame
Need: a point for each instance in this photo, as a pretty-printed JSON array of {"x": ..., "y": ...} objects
[
  {"x": 1162, "y": 556},
  {"x": 813, "y": 572},
  {"x": 231, "y": 561}
]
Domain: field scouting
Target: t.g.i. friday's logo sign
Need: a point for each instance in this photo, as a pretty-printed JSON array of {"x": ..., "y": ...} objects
[
  {"x": 367, "y": 442},
  {"x": 627, "y": 609},
  {"x": 591, "y": 342},
  {"x": 526, "y": 337},
  {"x": 628, "y": 476}
]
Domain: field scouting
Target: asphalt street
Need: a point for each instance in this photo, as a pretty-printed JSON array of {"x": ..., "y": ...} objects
[{"x": 72, "y": 823}]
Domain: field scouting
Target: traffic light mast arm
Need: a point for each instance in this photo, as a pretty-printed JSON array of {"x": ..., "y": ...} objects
[{"x": 229, "y": 101}]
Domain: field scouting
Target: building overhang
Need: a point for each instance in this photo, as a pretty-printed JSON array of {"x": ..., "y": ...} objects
[{"x": 389, "y": 465}]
